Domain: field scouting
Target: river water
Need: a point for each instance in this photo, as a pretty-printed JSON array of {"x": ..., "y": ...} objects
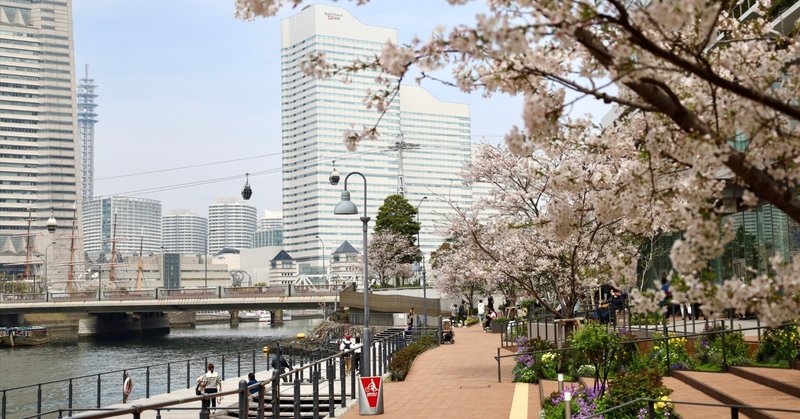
[{"x": 61, "y": 361}]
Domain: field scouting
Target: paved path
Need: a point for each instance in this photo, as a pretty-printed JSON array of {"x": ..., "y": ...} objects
[{"x": 457, "y": 381}]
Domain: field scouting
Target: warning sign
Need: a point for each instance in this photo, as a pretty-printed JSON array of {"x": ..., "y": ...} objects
[
  {"x": 371, "y": 400},
  {"x": 372, "y": 387}
]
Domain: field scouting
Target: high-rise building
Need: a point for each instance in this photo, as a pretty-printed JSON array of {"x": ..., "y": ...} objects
[
  {"x": 39, "y": 165},
  {"x": 231, "y": 223},
  {"x": 129, "y": 222},
  {"x": 86, "y": 120},
  {"x": 317, "y": 112},
  {"x": 270, "y": 230},
  {"x": 184, "y": 233}
]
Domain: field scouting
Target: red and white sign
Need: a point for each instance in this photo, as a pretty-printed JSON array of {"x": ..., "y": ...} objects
[{"x": 372, "y": 388}]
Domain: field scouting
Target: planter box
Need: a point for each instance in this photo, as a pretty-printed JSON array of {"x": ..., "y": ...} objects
[{"x": 498, "y": 327}]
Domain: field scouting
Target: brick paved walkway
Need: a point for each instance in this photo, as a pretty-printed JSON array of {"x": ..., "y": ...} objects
[{"x": 455, "y": 381}]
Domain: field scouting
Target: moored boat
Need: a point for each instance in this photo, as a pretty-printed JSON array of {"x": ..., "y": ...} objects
[{"x": 23, "y": 336}]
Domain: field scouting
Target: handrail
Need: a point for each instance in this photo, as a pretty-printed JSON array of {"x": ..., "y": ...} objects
[
  {"x": 243, "y": 390},
  {"x": 651, "y": 402},
  {"x": 723, "y": 332}
]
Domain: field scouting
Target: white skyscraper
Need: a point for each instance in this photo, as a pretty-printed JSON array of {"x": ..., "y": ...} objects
[
  {"x": 131, "y": 222},
  {"x": 316, "y": 113},
  {"x": 39, "y": 167},
  {"x": 231, "y": 223},
  {"x": 184, "y": 232}
]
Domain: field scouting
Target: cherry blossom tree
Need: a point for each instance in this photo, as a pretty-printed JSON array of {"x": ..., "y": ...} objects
[
  {"x": 389, "y": 253},
  {"x": 458, "y": 274},
  {"x": 706, "y": 107}
]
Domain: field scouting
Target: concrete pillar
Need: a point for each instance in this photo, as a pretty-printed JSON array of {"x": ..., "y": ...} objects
[
  {"x": 234, "y": 319},
  {"x": 276, "y": 317}
]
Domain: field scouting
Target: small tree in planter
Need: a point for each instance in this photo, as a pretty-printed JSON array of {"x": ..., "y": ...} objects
[{"x": 598, "y": 346}]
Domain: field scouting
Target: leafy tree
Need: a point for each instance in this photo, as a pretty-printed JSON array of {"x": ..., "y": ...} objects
[{"x": 397, "y": 215}]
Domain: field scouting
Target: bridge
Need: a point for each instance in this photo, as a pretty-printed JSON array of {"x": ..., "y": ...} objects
[{"x": 170, "y": 299}]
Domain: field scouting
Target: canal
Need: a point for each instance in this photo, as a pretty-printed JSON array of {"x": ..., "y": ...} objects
[{"x": 61, "y": 361}]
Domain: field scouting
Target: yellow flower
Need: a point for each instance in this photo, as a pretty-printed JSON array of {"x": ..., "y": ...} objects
[{"x": 664, "y": 403}]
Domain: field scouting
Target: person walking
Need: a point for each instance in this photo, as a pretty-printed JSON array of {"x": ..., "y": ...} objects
[
  {"x": 279, "y": 364},
  {"x": 347, "y": 344},
  {"x": 490, "y": 303},
  {"x": 357, "y": 355},
  {"x": 410, "y": 319},
  {"x": 453, "y": 314},
  {"x": 213, "y": 384},
  {"x": 481, "y": 310},
  {"x": 462, "y": 313}
]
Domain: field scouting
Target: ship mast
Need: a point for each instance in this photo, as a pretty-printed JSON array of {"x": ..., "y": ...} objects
[
  {"x": 141, "y": 268},
  {"x": 28, "y": 248}
]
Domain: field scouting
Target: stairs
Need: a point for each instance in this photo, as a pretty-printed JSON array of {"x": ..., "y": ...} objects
[{"x": 751, "y": 386}]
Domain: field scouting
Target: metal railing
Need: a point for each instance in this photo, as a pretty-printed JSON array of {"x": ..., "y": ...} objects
[
  {"x": 662, "y": 340},
  {"x": 167, "y": 293},
  {"x": 649, "y": 406},
  {"x": 326, "y": 372},
  {"x": 545, "y": 325},
  {"x": 94, "y": 390}
]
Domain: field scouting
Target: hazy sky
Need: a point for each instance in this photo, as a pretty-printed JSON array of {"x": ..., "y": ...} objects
[{"x": 182, "y": 82}]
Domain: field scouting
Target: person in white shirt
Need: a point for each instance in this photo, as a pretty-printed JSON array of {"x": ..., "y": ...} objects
[
  {"x": 213, "y": 384},
  {"x": 345, "y": 345},
  {"x": 481, "y": 310},
  {"x": 357, "y": 355}
]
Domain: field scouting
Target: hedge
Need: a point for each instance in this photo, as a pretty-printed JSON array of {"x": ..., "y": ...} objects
[{"x": 401, "y": 361}]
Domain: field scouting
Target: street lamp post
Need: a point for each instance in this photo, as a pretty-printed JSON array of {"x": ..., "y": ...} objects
[
  {"x": 325, "y": 272},
  {"x": 347, "y": 207},
  {"x": 419, "y": 246},
  {"x": 46, "y": 249}
]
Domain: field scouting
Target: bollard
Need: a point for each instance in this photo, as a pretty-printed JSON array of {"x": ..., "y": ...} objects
[
  {"x": 560, "y": 383},
  {"x": 243, "y": 399},
  {"x": 567, "y": 405}
]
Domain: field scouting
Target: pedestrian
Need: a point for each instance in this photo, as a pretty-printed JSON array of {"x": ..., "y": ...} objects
[
  {"x": 251, "y": 380},
  {"x": 280, "y": 364},
  {"x": 490, "y": 303},
  {"x": 453, "y": 314},
  {"x": 491, "y": 316},
  {"x": 410, "y": 319},
  {"x": 462, "y": 313},
  {"x": 346, "y": 345},
  {"x": 127, "y": 386},
  {"x": 213, "y": 385},
  {"x": 357, "y": 355},
  {"x": 481, "y": 310},
  {"x": 666, "y": 302}
]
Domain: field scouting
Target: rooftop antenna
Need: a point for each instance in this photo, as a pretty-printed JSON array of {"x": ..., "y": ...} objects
[{"x": 399, "y": 146}]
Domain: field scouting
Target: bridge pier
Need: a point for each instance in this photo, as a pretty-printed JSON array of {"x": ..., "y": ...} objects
[
  {"x": 234, "y": 322},
  {"x": 114, "y": 325},
  {"x": 276, "y": 317}
]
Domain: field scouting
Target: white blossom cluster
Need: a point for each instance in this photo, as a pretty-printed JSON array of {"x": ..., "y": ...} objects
[{"x": 708, "y": 105}]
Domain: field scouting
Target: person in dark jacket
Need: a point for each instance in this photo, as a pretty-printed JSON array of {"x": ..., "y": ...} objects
[{"x": 280, "y": 364}]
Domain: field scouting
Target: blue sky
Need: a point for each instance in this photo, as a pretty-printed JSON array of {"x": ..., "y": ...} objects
[{"x": 183, "y": 82}]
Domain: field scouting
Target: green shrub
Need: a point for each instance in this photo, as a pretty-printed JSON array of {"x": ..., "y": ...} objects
[
  {"x": 710, "y": 348},
  {"x": 675, "y": 348},
  {"x": 631, "y": 385},
  {"x": 594, "y": 344},
  {"x": 402, "y": 360},
  {"x": 470, "y": 321},
  {"x": 779, "y": 344}
]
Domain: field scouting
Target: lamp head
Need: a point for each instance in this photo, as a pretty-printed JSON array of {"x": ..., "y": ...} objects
[
  {"x": 335, "y": 176},
  {"x": 345, "y": 206},
  {"x": 52, "y": 224}
]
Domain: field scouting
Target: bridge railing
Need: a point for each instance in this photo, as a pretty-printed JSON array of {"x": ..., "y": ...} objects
[{"x": 167, "y": 293}]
